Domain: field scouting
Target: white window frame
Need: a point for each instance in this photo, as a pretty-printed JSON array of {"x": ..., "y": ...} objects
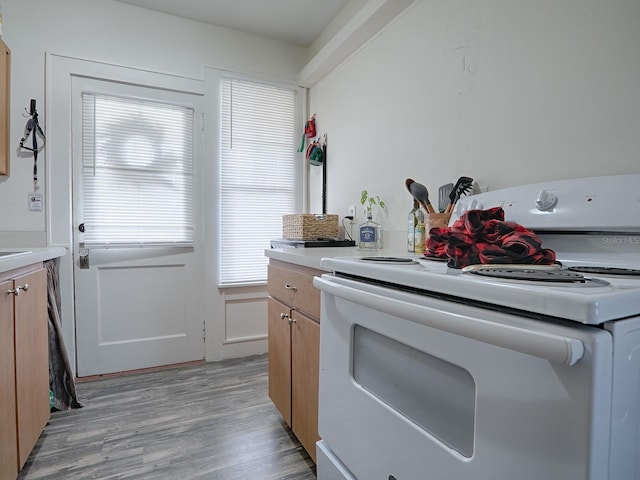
[{"x": 214, "y": 81}]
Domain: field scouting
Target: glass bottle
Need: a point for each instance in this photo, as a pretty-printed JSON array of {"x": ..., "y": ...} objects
[
  {"x": 419, "y": 237},
  {"x": 370, "y": 234},
  {"x": 412, "y": 221}
]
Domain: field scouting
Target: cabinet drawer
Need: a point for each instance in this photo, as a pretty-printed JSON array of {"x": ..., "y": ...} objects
[{"x": 295, "y": 288}]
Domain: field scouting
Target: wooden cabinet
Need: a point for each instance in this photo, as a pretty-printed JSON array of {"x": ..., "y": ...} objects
[
  {"x": 8, "y": 432},
  {"x": 32, "y": 361},
  {"x": 279, "y": 332},
  {"x": 305, "y": 369},
  {"x": 5, "y": 96},
  {"x": 24, "y": 372},
  {"x": 294, "y": 348}
]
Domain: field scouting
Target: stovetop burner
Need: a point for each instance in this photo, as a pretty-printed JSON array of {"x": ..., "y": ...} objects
[
  {"x": 537, "y": 275},
  {"x": 390, "y": 260},
  {"x": 606, "y": 270}
]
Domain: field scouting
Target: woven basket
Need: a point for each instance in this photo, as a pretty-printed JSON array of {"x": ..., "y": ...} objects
[{"x": 305, "y": 226}]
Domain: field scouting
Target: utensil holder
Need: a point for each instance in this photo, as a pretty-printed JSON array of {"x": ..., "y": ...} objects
[{"x": 432, "y": 220}]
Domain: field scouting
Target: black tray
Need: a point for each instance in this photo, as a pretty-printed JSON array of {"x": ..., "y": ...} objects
[{"x": 320, "y": 242}]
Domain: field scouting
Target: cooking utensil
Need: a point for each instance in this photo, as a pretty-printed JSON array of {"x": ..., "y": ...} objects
[
  {"x": 443, "y": 196},
  {"x": 420, "y": 193},
  {"x": 462, "y": 186}
]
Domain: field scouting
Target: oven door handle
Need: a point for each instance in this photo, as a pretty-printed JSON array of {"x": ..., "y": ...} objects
[{"x": 552, "y": 347}]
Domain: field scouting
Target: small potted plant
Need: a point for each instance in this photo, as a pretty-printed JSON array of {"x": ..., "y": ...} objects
[
  {"x": 370, "y": 231},
  {"x": 369, "y": 201}
]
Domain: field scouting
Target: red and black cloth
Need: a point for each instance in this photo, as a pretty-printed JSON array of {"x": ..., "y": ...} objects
[{"x": 483, "y": 236}]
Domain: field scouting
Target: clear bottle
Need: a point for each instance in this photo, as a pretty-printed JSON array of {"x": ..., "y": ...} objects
[
  {"x": 412, "y": 221},
  {"x": 370, "y": 234},
  {"x": 419, "y": 237}
]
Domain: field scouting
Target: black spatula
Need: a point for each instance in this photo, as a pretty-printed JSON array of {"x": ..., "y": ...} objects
[{"x": 462, "y": 186}]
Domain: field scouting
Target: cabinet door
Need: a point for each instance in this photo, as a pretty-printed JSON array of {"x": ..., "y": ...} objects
[
  {"x": 32, "y": 360},
  {"x": 8, "y": 437},
  {"x": 280, "y": 358},
  {"x": 5, "y": 85},
  {"x": 305, "y": 365}
]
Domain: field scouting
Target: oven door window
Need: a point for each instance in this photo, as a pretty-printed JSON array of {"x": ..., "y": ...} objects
[{"x": 435, "y": 395}]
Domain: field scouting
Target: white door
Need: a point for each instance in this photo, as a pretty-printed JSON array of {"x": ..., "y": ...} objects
[{"x": 136, "y": 306}]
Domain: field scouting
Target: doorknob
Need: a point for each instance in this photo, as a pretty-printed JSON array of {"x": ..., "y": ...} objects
[{"x": 83, "y": 257}]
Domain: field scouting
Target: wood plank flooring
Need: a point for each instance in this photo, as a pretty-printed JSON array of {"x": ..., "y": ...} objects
[{"x": 208, "y": 421}]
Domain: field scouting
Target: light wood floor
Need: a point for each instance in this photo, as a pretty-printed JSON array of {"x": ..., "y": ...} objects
[{"x": 208, "y": 421}]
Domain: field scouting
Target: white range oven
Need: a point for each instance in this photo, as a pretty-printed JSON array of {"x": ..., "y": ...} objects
[{"x": 498, "y": 373}]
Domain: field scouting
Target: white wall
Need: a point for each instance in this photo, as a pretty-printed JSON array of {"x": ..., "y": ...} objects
[
  {"x": 115, "y": 33},
  {"x": 506, "y": 92}
]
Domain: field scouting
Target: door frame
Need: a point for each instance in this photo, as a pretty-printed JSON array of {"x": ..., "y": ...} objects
[{"x": 60, "y": 70}]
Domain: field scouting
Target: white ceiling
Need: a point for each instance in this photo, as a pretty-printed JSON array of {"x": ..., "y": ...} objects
[{"x": 298, "y": 22}]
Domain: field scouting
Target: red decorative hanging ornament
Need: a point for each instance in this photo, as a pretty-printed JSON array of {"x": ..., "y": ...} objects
[
  {"x": 309, "y": 131},
  {"x": 310, "y": 127}
]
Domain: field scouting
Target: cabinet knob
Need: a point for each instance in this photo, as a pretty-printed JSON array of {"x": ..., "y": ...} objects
[
  {"x": 16, "y": 291},
  {"x": 290, "y": 287},
  {"x": 292, "y": 321},
  {"x": 283, "y": 316}
]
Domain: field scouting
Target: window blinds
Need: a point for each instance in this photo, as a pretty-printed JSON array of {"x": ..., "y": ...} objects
[
  {"x": 257, "y": 175},
  {"x": 137, "y": 172}
]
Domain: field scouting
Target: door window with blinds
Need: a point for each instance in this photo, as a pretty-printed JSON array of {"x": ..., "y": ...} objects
[
  {"x": 258, "y": 181},
  {"x": 137, "y": 172}
]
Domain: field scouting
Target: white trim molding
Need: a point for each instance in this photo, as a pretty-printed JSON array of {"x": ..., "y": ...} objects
[{"x": 361, "y": 28}]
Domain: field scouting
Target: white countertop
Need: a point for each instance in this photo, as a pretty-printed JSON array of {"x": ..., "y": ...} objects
[
  {"x": 310, "y": 257},
  {"x": 27, "y": 256}
]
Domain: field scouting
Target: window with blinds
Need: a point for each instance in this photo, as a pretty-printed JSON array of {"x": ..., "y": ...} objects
[
  {"x": 257, "y": 175},
  {"x": 137, "y": 172}
]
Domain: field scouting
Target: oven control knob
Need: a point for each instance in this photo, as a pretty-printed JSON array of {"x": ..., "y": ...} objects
[{"x": 546, "y": 201}]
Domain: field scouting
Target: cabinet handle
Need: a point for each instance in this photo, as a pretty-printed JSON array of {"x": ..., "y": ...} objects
[
  {"x": 292, "y": 321},
  {"x": 283, "y": 316},
  {"x": 16, "y": 291},
  {"x": 290, "y": 287}
]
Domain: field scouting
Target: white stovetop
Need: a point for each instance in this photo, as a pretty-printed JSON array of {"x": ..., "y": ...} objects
[{"x": 606, "y": 298}]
